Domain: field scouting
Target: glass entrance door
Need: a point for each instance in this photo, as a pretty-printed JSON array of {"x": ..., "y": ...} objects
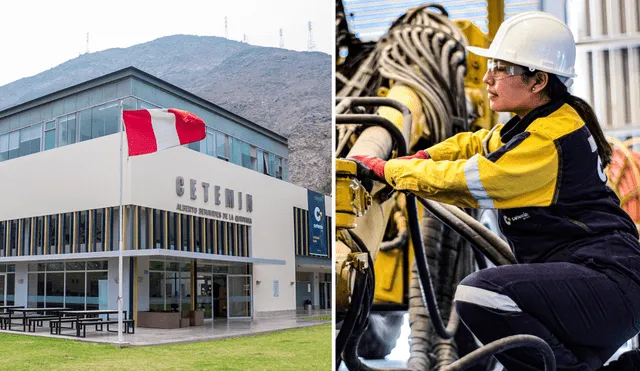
[
  {"x": 204, "y": 291},
  {"x": 3, "y": 289},
  {"x": 239, "y": 296}
]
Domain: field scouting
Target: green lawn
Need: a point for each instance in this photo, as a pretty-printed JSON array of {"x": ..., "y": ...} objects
[{"x": 307, "y": 348}]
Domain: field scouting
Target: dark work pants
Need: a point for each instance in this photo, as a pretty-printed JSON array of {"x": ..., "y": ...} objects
[{"x": 585, "y": 308}]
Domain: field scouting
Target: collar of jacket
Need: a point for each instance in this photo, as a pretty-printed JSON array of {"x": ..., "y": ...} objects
[{"x": 516, "y": 125}]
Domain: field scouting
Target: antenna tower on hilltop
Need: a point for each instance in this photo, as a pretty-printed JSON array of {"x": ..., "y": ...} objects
[
  {"x": 245, "y": 38},
  {"x": 311, "y": 45},
  {"x": 86, "y": 51},
  {"x": 226, "y": 28},
  {"x": 281, "y": 44}
]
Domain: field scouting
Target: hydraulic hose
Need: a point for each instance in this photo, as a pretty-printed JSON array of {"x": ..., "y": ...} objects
[
  {"x": 500, "y": 245},
  {"x": 351, "y": 317},
  {"x": 502, "y": 345},
  {"x": 401, "y": 237},
  {"x": 474, "y": 238},
  {"x": 375, "y": 120},
  {"x": 423, "y": 271}
]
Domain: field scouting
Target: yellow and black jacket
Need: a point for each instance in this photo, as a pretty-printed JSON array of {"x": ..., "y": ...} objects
[{"x": 542, "y": 172}]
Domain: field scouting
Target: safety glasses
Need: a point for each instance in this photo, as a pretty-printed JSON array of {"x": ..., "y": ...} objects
[{"x": 499, "y": 70}]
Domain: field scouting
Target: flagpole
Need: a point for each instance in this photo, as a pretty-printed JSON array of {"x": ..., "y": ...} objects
[{"x": 120, "y": 244}]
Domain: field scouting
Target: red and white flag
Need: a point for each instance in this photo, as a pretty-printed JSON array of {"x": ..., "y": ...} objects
[{"x": 153, "y": 130}]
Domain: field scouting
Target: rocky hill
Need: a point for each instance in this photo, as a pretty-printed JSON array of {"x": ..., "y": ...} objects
[{"x": 285, "y": 91}]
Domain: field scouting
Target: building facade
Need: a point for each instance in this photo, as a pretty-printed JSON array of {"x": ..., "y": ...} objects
[{"x": 213, "y": 226}]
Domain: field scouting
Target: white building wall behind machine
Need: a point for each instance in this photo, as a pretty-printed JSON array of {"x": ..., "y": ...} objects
[{"x": 607, "y": 35}]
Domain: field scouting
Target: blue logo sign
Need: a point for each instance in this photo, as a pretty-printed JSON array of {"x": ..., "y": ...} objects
[{"x": 317, "y": 225}]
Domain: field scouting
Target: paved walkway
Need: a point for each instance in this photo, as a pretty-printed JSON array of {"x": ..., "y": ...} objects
[{"x": 211, "y": 330}]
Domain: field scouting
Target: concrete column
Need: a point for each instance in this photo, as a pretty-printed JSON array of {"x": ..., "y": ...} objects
[
  {"x": 21, "y": 289},
  {"x": 143, "y": 283},
  {"x": 315, "y": 289}
]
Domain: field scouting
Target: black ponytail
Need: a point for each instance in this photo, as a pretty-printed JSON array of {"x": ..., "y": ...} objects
[{"x": 556, "y": 90}]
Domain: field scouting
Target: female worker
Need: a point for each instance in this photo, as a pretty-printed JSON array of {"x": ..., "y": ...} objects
[{"x": 577, "y": 284}]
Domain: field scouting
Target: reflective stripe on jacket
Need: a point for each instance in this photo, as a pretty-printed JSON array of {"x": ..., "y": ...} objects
[{"x": 543, "y": 171}]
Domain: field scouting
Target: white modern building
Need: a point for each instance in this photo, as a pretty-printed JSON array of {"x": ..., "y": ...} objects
[{"x": 212, "y": 227}]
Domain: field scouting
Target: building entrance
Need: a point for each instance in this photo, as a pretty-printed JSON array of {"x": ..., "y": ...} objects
[
  {"x": 3, "y": 289},
  {"x": 212, "y": 295}
]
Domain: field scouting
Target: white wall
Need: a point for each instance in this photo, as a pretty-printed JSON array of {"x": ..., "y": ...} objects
[
  {"x": 86, "y": 176},
  {"x": 81, "y": 176}
]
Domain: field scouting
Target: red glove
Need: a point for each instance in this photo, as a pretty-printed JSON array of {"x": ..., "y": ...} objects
[
  {"x": 423, "y": 155},
  {"x": 373, "y": 163}
]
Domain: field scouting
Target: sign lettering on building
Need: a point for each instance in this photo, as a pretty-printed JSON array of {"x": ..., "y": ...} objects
[{"x": 232, "y": 200}]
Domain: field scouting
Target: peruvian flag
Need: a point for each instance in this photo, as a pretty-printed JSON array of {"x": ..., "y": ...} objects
[{"x": 153, "y": 130}]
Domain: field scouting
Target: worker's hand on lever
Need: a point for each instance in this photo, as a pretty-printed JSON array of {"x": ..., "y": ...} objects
[
  {"x": 422, "y": 155},
  {"x": 370, "y": 167}
]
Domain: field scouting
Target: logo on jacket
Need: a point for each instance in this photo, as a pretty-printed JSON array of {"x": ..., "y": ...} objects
[{"x": 508, "y": 220}]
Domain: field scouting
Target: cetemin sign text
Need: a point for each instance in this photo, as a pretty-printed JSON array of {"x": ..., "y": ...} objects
[{"x": 232, "y": 200}]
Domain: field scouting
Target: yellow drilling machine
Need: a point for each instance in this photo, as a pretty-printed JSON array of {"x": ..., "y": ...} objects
[{"x": 397, "y": 253}]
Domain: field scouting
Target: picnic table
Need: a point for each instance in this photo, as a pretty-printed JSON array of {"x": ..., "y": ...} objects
[
  {"x": 5, "y": 307},
  {"x": 84, "y": 318},
  {"x": 26, "y": 311}
]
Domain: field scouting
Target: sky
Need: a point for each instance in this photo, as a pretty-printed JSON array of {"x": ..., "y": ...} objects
[{"x": 36, "y": 35}]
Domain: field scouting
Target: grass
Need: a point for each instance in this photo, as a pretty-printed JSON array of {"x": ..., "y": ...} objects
[
  {"x": 318, "y": 318},
  {"x": 307, "y": 348}
]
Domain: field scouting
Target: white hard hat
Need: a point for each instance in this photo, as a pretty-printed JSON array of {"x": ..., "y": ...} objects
[{"x": 536, "y": 40}]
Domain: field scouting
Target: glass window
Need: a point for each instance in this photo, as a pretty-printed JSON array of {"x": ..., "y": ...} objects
[
  {"x": 67, "y": 130},
  {"x": 55, "y": 289},
  {"x": 30, "y": 140},
  {"x": 13, "y": 237},
  {"x": 247, "y": 158},
  {"x": 84, "y": 120},
  {"x": 272, "y": 164},
  {"x": 278, "y": 167},
  {"x": 156, "y": 291},
  {"x": 185, "y": 223},
  {"x": 158, "y": 228},
  {"x": 14, "y": 144},
  {"x": 105, "y": 119},
  {"x": 222, "y": 147},
  {"x": 210, "y": 144},
  {"x": 74, "y": 293},
  {"x": 75, "y": 266},
  {"x": 4, "y": 147},
  {"x": 26, "y": 237},
  {"x": 156, "y": 265},
  {"x": 172, "y": 230},
  {"x": 98, "y": 228},
  {"x": 260, "y": 162},
  {"x": 11, "y": 289},
  {"x": 97, "y": 265},
  {"x": 36, "y": 267},
  {"x": 56, "y": 266},
  {"x": 197, "y": 234},
  {"x": 49, "y": 135},
  {"x": 236, "y": 154},
  {"x": 97, "y": 289}
]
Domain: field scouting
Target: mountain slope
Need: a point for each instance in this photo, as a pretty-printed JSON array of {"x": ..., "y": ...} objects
[{"x": 285, "y": 91}]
